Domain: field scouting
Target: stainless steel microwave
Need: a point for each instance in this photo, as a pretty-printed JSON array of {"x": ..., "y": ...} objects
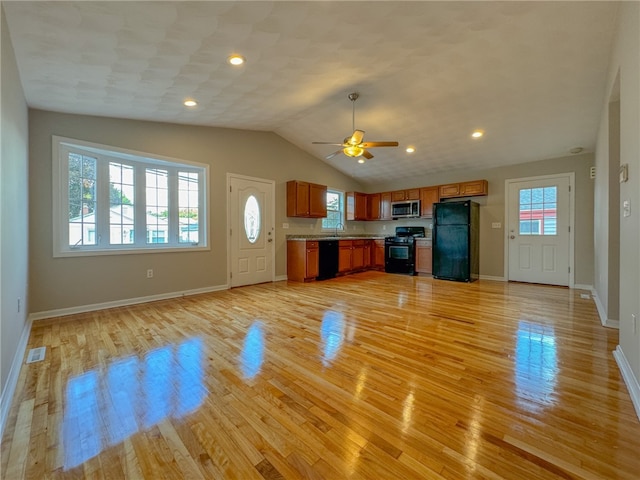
[{"x": 405, "y": 209}]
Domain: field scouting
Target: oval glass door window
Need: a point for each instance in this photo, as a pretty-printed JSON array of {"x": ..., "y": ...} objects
[{"x": 252, "y": 219}]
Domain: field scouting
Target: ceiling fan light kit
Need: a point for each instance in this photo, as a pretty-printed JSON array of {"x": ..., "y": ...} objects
[{"x": 353, "y": 146}]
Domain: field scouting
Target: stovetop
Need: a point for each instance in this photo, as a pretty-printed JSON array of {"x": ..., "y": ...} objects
[{"x": 405, "y": 233}]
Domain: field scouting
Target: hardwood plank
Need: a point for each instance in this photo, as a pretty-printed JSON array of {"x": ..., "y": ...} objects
[{"x": 363, "y": 376}]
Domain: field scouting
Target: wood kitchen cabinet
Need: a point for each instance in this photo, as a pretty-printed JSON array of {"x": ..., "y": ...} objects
[
  {"x": 424, "y": 258},
  {"x": 385, "y": 206},
  {"x": 305, "y": 199},
  {"x": 409, "y": 194},
  {"x": 373, "y": 206},
  {"x": 345, "y": 253},
  {"x": 377, "y": 254},
  {"x": 465, "y": 189},
  {"x": 428, "y": 196},
  {"x": 367, "y": 253},
  {"x": 356, "y": 206},
  {"x": 357, "y": 257},
  {"x": 302, "y": 260}
]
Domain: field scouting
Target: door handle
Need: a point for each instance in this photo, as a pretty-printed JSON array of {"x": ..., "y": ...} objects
[
  {"x": 512, "y": 237},
  {"x": 270, "y": 240}
]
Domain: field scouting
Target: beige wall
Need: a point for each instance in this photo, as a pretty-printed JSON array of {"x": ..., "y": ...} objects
[
  {"x": 61, "y": 283},
  {"x": 625, "y": 69},
  {"x": 14, "y": 238},
  {"x": 493, "y": 205}
]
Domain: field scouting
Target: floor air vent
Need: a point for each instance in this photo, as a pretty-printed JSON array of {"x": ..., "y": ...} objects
[{"x": 36, "y": 354}]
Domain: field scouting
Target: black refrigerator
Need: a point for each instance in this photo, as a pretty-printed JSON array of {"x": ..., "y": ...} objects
[{"x": 456, "y": 241}]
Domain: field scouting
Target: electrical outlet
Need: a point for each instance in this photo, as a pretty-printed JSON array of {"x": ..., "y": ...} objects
[
  {"x": 496, "y": 225},
  {"x": 285, "y": 225},
  {"x": 150, "y": 273}
]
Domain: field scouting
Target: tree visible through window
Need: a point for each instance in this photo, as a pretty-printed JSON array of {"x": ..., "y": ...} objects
[
  {"x": 109, "y": 200},
  {"x": 335, "y": 211}
]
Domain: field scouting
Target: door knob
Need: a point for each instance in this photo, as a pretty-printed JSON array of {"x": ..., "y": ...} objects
[
  {"x": 270, "y": 240},
  {"x": 512, "y": 237}
]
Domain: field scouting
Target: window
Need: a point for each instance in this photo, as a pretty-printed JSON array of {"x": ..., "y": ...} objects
[
  {"x": 109, "y": 200},
  {"x": 538, "y": 211},
  {"x": 335, "y": 211}
]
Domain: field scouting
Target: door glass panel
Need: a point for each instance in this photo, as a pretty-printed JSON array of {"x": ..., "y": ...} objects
[
  {"x": 537, "y": 210},
  {"x": 252, "y": 219}
]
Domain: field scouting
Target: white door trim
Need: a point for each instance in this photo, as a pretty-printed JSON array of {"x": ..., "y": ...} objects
[
  {"x": 507, "y": 183},
  {"x": 272, "y": 183}
]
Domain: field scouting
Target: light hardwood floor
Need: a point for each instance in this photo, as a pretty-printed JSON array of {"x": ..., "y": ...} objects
[{"x": 369, "y": 376}]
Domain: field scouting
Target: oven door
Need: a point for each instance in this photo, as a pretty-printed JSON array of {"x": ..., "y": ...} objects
[{"x": 400, "y": 257}]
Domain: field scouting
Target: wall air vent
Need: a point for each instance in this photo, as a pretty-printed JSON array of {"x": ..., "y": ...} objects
[{"x": 36, "y": 354}]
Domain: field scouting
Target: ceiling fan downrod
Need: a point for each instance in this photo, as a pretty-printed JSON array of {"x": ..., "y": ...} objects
[{"x": 353, "y": 97}]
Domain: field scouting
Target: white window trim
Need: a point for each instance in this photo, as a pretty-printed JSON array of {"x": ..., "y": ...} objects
[{"x": 60, "y": 198}]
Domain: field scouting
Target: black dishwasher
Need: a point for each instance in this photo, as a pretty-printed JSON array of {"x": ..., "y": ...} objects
[{"x": 328, "y": 262}]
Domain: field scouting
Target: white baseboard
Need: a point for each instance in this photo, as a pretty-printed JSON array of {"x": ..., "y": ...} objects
[
  {"x": 606, "y": 322},
  {"x": 629, "y": 378},
  {"x": 491, "y": 277},
  {"x": 581, "y": 286},
  {"x": 122, "y": 303},
  {"x": 12, "y": 380},
  {"x": 281, "y": 278}
]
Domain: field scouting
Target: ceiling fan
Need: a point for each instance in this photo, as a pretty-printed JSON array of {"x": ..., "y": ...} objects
[{"x": 353, "y": 146}]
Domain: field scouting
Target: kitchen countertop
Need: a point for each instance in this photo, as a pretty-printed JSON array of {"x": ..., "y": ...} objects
[{"x": 333, "y": 237}]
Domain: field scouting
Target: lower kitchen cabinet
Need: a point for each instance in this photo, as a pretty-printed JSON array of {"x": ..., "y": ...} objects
[
  {"x": 302, "y": 260},
  {"x": 424, "y": 259},
  {"x": 357, "y": 258},
  {"x": 367, "y": 253},
  {"x": 377, "y": 254},
  {"x": 345, "y": 254}
]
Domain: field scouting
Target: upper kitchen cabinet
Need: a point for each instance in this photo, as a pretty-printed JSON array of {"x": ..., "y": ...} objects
[
  {"x": 465, "y": 189},
  {"x": 356, "y": 206},
  {"x": 410, "y": 194},
  {"x": 373, "y": 206},
  {"x": 428, "y": 196},
  {"x": 385, "y": 206},
  {"x": 305, "y": 199}
]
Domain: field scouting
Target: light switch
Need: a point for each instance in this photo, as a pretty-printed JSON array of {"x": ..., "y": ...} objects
[
  {"x": 496, "y": 225},
  {"x": 626, "y": 208}
]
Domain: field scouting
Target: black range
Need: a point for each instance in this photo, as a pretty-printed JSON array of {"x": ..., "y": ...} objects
[{"x": 400, "y": 250}]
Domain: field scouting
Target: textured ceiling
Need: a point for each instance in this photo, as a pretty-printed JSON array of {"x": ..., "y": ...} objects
[{"x": 532, "y": 75}]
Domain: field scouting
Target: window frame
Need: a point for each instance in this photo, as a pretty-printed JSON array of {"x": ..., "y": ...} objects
[
  {"x": 105, "y": 154},
  {"x": 341, "y": 210}
]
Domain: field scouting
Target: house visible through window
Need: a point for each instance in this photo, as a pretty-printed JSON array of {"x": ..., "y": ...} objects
[
  {"x": 112, "y": 200},
  {"x": 335, "y": 211}
]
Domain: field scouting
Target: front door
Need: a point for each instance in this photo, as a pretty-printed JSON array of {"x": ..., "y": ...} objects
[
  {"x": 539, "y": 230},
  {"x": 251, "y": 232}
]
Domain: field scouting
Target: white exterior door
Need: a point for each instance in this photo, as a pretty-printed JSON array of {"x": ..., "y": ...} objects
[
  {"x": 539, "y": 230},
  {"x": 251, "y": 230}
]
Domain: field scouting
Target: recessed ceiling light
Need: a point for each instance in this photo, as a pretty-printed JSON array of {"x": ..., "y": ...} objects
[
  {"x": 190, "y": 103},
  {"x": 236, "y": 59},
  {"x": 361, "y": 160},
  {"x": 410, "y": 149},
  {"x": 477, "y": 134}
]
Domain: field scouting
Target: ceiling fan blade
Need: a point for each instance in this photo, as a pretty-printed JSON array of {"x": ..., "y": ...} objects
[
  {"x": 327, "y": 143},
  {"x": 356, "y": 138},
  {"x": 379, "y": 144},
  {"x": 366, "y": 154},
  {"x": 331, "y": 155}
]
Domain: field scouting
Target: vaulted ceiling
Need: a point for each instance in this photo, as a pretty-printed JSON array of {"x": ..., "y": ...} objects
[{"x": 531, "y": 75}]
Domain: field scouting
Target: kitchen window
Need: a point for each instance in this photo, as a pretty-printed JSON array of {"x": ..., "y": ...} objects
[
  {"x": 109, "y": 200},
  {"x": 335, "y": 211}
]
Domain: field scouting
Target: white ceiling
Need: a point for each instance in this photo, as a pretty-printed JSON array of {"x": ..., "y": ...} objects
[{"x": 532, "y": 75}]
